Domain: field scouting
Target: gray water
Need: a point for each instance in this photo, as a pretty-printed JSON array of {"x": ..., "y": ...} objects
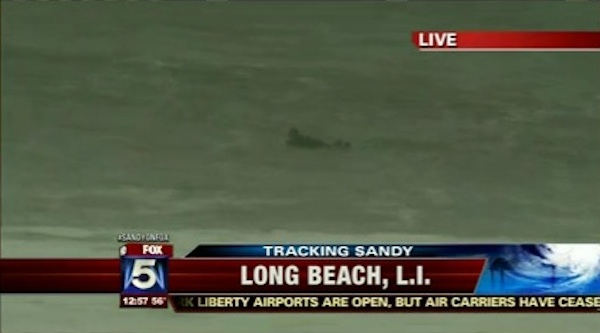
[{"x": 173, "y": 120}]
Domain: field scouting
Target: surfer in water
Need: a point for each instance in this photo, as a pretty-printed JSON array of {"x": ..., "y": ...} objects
[{"x": 299, "y": 140}]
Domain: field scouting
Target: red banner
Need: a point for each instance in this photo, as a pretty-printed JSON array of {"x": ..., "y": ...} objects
[
  {"x": 507, "y": 40},
  {"x": 249, "y": 275},
  {"x": 60, "y": 275}
]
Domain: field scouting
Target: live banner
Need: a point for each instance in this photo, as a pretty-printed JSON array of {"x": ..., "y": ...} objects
[{"x": 506, "y": 41}]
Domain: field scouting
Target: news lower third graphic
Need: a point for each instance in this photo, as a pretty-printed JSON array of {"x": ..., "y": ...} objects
[
  {"x": 392, "y": 278},
  {"x": 383, "y": 303},
  {"x": 498, "y": 268},
  {"x": 328, "y": 277}
]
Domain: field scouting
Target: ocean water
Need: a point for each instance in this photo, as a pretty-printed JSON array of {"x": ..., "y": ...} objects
[{"x": 171, "y": 117}]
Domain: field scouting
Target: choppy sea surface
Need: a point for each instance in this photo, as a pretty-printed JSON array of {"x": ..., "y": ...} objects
[{"x": 173, "y": 120}]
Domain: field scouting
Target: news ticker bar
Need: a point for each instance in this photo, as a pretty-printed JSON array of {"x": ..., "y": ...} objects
[
  {"x": 228, "y": 275},
  {"x": 511, "y": 41},
  {"x": 383, "y": 303}
]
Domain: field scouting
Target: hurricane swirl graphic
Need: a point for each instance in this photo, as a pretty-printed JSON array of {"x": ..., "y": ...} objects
[{"x": 556, "y": 267}]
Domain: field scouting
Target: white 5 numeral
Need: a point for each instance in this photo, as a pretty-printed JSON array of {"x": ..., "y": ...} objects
[{"x": 143, "y": 268}]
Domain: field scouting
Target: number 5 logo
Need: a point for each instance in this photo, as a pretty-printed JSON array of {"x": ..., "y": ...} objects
[{"x": 143, "y": 274}]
